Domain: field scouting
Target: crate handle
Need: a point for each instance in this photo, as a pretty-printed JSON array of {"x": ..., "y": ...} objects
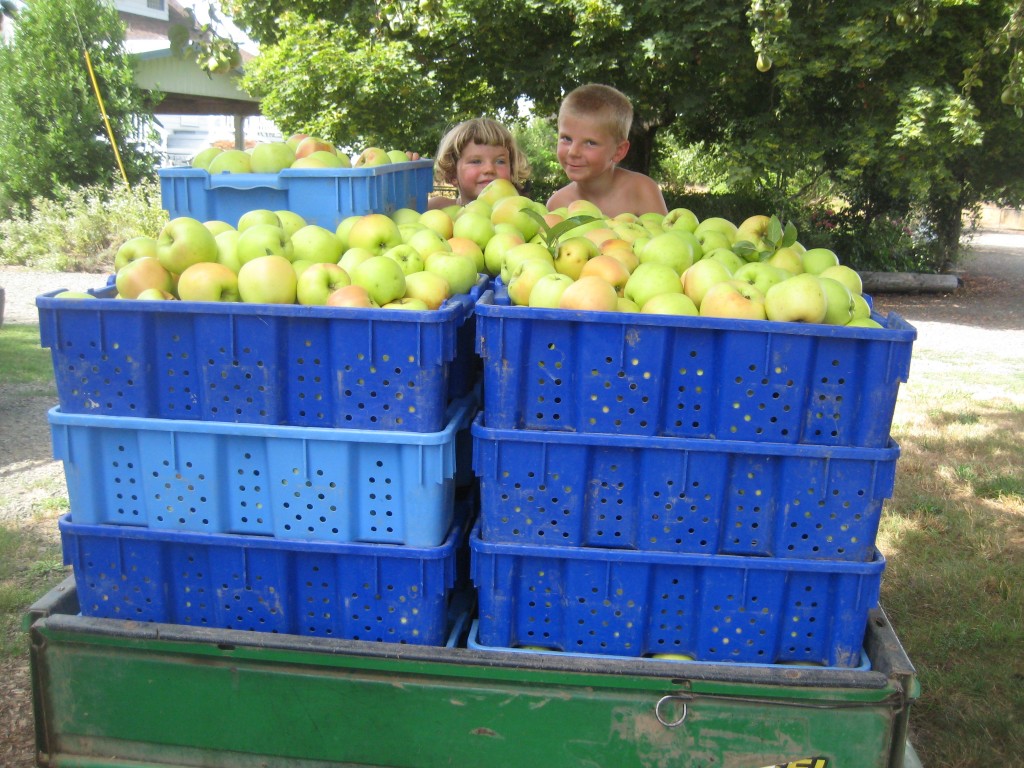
[{"x": 663, "y": 702}]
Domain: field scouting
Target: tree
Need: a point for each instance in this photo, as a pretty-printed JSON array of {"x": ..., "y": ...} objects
[
  {"x": 52, "y": 131},
  {"x": 893, "y": 106}
]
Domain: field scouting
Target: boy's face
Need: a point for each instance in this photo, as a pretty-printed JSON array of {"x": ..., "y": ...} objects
[
  {"x": 585, "y": 149},
  {"x": 478, "y": 166}
]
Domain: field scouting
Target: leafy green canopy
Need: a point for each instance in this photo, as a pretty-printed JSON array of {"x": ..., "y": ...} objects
[{"x": 52, "y": 131}]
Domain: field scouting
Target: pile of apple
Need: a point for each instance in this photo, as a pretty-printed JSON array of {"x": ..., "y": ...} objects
[
  {"x": 275, "y": 257},
  {"x": 577, "y": 258},
  {"x": 299, "y": 150}
]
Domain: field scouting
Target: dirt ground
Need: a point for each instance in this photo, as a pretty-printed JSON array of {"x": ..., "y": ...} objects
[{"x": 986, "y": 313}]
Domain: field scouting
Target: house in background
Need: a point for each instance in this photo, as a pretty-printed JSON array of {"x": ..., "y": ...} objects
[{"x": 198, "y": 109}]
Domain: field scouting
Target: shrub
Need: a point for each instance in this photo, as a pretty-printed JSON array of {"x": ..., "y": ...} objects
[{"x": 81, "y": 230}]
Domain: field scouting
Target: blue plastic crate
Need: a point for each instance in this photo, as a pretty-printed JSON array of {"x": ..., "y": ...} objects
[
  {"x": 290, "y": 482},
  {"x": 321, "y": 196},
  {"x": 260, "y": 363},
  {"x": 620, "y": 373},
  {"x": 473, "y": 642},
  {"x": 709, "y": 607},
  {"x": 345, "y": 591},
  {"x": 681, "y": 495}
]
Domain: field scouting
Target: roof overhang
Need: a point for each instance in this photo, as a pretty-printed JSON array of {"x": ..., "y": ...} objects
[{"x": 188, "y": 90}]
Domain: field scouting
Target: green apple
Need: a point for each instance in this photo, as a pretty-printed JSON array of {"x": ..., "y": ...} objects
[
  {"x": 817, "y": 260},
  {"x": 291, "y": 222},
  {"x": 318, "y": 281},
  {"x": 405, "y": 216},
  {"x": 760, "y": 274},
  {"x": 628, "y": 305},
  {"x": 258, "y": 216},
  {"x": 375, "y": 232},
  {"x": 525, "y": 276},
  {"x": 630, "y": 231},
  {"x": 397, "y": 156},
  {"x": 609, "y": 269},
  {"x": 408, "y": 230},
  {"x": 321, "y": 159},
  {"x": 344, "y": 227},
  {"x": 840, "y": 302},
  {"x": 583, "y": 208},
  {"x": 382, "y": 278},
  {"x": 439, "y": 221},
  {"x": 680, "y": 218},
  {"x": 497, "y": 189},
  {"x": 460, "y": 271},
  {"x": 310, "y": 144},
  {"x": 497, "y": 248},
  {"x": 351, "y": 296},
  {"x": 75, "y": 295},
  {"x": 548, "y": 289},
  {"x": 429, "y": 287},
  {"x": 227, "y": 250},
  {"x": 650, "y": 279},
  {"x": 478, "y": 206},
  {"x": 864, "y": 322},
  {"x": 184, "y": 241},
  {"x": 372, "y": 156},
  {"x": 672, "y": 656},
  {"x": 733, "y": 298},
  {"x": 728, "y": 258},
  {"x": 621, "y": 251},
  {"x": 798, "y": 299},
  {"x": 572, "y": 254},
  {"x": 208, "y": 281},
  {"x": 513, "y": 210},
  {"x": 669, "y": 249},
  {"x": 142, "y": 273},
  {"x": 262, "y": 240},
  {"x": 407, "y": 302},
  {"x": 789, "y": 259},
  {"x": 408, "y": 258},
  {"x": 316, "y": 244},
  {"x": 271, "y": 157},
  {"x": 268, "y": 280},
  {"x": 352, "y": 257},
  {"x": 845, "y": 275},
  {"x": 669, "y": 304},
  {"x": 702, "y": 275},
  {"x": 518, "y": 253},
  {"x": 427, "y": 241},
  {"x": 217, "y": 226},
  {"x": 716, "y": 224},
  {"x": 203, "y": 159},
  {"x": 466, "y": 247},
  {"x": 230, "y": 161},
  {"x": 861, "y": 308},
  {"x": 294, "y": 140},
  {"x": 154, "y": 294},
  {"x": 134, "y": 248},
  {"x": 475, "y": 225}
]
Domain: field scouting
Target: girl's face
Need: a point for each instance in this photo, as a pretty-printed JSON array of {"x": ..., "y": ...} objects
[
  {"x": 585, "y": 150},
  {"x": 478, "y": 166}
]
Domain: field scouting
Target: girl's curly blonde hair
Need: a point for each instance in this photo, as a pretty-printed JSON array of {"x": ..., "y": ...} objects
[{"x": 479, "y": 130}]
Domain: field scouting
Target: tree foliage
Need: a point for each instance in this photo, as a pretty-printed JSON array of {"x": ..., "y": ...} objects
[
  {"x": 895, "y": 106},
  {"x": 52, "y": 132}
]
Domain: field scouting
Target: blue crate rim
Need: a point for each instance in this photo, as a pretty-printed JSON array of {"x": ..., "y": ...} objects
[
  {"x": 692, "y": 444},
  {"x": 459, "y": 412},
  {"x": 66, "y": 524},
  {"x": 873, "y": 567},
  {"x": 895, "y": 328},
  {"x": 474, "y": 644},
  {"x": 254, "y": 180}
]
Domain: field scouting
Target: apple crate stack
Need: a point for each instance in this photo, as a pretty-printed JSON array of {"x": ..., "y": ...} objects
[
  {"x": 698, "y": 488},
  {"x": 264, "y": 467}
]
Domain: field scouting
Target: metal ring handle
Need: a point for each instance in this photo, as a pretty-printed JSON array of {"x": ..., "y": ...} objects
[{"x": 661, "y": 718}]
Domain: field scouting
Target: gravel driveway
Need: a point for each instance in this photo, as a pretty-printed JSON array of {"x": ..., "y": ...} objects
[{"x": 986, "y": 314}]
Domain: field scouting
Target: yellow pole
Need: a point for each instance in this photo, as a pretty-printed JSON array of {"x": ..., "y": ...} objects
[{"x": 103, "y": 111}]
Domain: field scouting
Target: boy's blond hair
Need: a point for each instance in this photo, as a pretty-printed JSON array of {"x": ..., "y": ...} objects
[
  {"x": 479, "y": 130},
  {"x": 602, "y": 103}
]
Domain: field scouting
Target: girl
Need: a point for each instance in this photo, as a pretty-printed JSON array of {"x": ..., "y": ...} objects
[{"x": 474, "y": 153}]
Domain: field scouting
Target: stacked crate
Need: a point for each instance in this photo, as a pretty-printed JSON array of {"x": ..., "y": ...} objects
[
  {"x": 264, "y": 467},
  {"x": 682, "y": 487}
]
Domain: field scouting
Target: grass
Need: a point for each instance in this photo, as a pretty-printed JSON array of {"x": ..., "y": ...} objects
[{"x": 953, "y": 534}]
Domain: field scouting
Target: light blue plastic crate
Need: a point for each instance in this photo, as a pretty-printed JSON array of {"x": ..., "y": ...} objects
[
  {"x": 346, "y": 591},
  {"x": 759, "y": 610},
  {"x": 297, "y": 483},
  {"x": 321, "y": 196},
  {"x": 673, "y": 494},
  {"x": 628, "y": 373},
  {"x": 473, "y": 642},
  {"x": 386, "y": 369}
]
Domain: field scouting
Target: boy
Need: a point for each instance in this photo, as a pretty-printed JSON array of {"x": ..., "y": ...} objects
[
  {"x": 474, "y": 153},
  {"x": 593, "y": 136}
]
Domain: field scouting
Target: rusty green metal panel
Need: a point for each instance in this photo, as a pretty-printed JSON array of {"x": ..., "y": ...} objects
[{"x": 114, "y": 693}]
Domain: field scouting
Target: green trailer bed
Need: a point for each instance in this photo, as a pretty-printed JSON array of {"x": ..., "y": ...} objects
[{"x": 113, "y": 693}]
